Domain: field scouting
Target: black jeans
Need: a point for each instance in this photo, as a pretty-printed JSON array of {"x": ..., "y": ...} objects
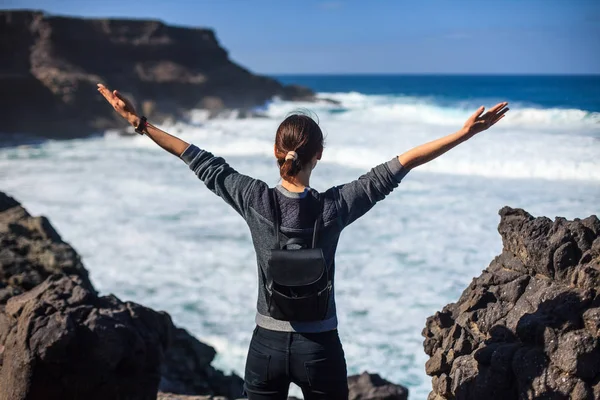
[{"x": 313, "y": 361}]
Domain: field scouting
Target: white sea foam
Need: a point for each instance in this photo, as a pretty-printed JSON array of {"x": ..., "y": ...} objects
[
  {"x": 529, "y": 143},
  {"x": 419, "y": 109},
  {"x": 150, "y": 232}
]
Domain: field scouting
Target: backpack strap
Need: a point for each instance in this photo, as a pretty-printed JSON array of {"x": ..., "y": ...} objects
[
  {"x": 276, "y": 222},
  {"x": 318, "y": 221}
]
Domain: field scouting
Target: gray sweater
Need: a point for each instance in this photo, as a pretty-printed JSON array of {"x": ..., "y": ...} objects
[{"x": 343, "y": 205}]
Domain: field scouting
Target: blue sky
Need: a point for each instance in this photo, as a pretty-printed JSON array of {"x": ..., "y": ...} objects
[{"x": 425, "y": 36}]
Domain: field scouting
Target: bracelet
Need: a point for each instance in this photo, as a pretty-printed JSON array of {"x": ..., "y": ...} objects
[{"x": 142, "y": 125}]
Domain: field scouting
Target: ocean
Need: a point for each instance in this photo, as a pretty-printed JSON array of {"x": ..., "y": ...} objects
[{"x": 149, "y": 231}]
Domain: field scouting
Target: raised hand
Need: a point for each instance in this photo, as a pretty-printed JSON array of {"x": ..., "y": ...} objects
[
  {"x": 479, "y": 121},
  {"x": 121, "y": 104}
]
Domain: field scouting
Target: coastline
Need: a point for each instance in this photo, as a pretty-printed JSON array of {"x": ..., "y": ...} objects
[{"x": 168, "y": 70}]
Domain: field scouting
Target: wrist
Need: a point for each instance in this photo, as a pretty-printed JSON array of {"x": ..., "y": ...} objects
[
  {"x": 142, "y": 125},
  {"x": 464, "y": 134}
]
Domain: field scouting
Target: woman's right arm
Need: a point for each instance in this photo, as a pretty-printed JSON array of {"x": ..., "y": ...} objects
[
  {"x": 218, "y": 176},
  {"x": 125, "y": 109},
  {"x": 354, "y": 199}
]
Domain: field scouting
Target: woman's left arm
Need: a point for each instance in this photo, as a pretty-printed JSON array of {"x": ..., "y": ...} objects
[
  {"x": 219, "y": 177},
  {"x": 478, "y": 122}
]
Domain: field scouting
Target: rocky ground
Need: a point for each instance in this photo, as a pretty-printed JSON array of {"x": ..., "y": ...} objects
[
  {"x": 529, "y": 326},
  {"x": 49, "y": 67},
  {"x": 60, "y": 340}
]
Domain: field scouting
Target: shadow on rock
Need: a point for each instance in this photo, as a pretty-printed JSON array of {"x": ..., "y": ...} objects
[{"x": 552, "y": 355}]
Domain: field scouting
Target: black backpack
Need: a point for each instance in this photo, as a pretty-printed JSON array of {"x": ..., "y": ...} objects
[{"x": 297, "y": 280}]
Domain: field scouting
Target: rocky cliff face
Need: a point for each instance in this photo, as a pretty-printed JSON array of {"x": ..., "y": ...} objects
[
  {"x": 49, "y": 67},
  {"x": 31, "y": 251},
  {"x": 529, "y": 326}
]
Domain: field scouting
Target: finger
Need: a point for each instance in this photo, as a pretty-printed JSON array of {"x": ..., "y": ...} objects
[
  {"x": 478, "y": 113},
  {"x": 122, "y": 100},
  {"x": 107, "y": 95},
  {"x": 105, "y": 92},
  {"x": 493, "y": 117},
  {"x": 497, "y": 119},
  {"x": 103, "y": 89},
  {"x": 501, "y": 112},
  {"x": 497, "y": 107}
]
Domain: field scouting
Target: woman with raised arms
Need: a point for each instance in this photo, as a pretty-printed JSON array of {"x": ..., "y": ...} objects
[{"x": 295, "y": 232}]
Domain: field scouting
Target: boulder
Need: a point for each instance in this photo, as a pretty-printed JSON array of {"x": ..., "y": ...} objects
[
  {"x": 373, "y": 387},
  {"x": 365, "y": 386},
  {"x": 529, "y": 326},
  {"x": 32, "y": 257},
  {"x": 49, "y": 67},
  {"x": 171, "y": 396},
  {"x": 65, "y": 342},
  {"x": 31, "y": 250},
  {"x": 187, "y": 369}
]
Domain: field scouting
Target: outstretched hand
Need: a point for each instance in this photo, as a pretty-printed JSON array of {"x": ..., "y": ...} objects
[
  {"x": 479, "y": 121},
  {"x": 121, "y": 104}
]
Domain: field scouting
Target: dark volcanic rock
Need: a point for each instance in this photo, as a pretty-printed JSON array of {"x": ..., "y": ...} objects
[
  {"x": 171, "y": 396},
  {"x": 529, "y": 326},
  {"x": 49, "y": 67},
  {"x": 361, "y": 387},
  {"x": 373, "y": 387},
  {"x": 65, "y": 342},
  {"x": 31, "y": 250},
  {"x": 187, "y": 370}
]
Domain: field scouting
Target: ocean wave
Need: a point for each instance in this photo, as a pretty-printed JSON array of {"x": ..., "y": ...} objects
[
  {"x": 364, "y": 130},
  {"x": 427, "y": 110}
]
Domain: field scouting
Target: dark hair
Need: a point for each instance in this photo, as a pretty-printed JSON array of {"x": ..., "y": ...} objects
[{"x": 299, "y": 133}]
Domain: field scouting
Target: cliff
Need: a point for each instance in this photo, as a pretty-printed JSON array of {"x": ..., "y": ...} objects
[
  {"x": 529, "y": 326},
  {"x": 49, "y": 67}
]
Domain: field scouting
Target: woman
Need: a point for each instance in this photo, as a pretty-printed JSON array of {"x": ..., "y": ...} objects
[{"x": 292, "y": 342}]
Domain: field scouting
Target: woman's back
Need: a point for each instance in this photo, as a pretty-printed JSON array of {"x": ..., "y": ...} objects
[{"x": 251, "y": 198}]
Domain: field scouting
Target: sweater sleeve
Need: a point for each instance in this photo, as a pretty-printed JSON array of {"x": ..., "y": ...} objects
[
  {"x": 354, "y": 199},
  {"x": 220, "y": 178}
]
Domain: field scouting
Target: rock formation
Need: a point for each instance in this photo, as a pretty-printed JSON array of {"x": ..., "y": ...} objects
[
  {"x": 373, "y": 387},
  {"x": 49, "y": 67},
  {"x": 50, "y": 315},
  {"x": 31, "y": 250},
  {"x": 368, "y": 386},
  {"x": 529, "y": 326},
  {"x": 187, "y": 369},
  {"x": 65, "y": 342}
]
